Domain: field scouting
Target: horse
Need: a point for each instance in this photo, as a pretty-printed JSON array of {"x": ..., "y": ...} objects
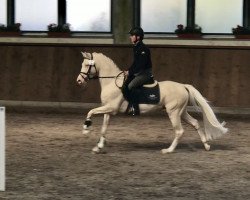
[{"x": 174, "y": 98}]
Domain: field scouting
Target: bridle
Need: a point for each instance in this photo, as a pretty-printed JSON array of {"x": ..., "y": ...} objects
[{"x": 88, "y": 76}]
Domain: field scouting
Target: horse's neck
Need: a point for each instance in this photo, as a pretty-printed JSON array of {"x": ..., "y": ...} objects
[{"x": 107, "y": 68}]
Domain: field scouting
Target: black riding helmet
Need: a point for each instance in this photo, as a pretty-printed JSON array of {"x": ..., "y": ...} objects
[{"x": 138, "y": 31}]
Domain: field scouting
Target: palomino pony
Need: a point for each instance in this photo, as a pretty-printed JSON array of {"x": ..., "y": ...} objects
[{"x": 174, "y": 97}]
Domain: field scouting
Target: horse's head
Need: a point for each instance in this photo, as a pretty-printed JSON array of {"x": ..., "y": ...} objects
[{"x": 88, "y": 70}]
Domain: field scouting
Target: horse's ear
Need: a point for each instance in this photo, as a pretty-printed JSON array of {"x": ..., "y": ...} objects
[{"x": 86, "y": 55}]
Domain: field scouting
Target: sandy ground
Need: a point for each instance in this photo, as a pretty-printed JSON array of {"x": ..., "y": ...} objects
[{"x": 48, "y": 158}]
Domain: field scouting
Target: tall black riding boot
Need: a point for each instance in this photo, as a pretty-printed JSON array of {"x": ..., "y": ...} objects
[
  {"x": 136, "y": 110},
  {"x": 133, "y": 107}
]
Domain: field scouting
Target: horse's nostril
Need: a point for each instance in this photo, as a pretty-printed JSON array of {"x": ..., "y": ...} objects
[{"x": 79, "y": 82}]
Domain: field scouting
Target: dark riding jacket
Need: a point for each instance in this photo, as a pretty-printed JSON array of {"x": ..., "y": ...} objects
[{"x": 142, "y": 60}]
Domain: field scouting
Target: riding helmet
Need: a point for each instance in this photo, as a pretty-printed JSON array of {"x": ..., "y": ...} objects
[{"x": 138, "y": 31}]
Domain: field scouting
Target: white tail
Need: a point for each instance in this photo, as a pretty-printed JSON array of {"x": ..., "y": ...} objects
[{"x": 213, "y": 128}]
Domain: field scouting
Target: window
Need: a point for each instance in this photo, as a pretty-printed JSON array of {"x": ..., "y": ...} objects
[
  {"x": 163, "y": 15},
  {"x": 3, "y": 12},
  {"x": 35, "y": 15},
  {"x": 218, "y": 16},
  {"x": 85, "y": 15}
]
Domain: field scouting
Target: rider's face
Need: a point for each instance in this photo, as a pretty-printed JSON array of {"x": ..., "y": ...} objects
[{"x": 134, "y": 39}]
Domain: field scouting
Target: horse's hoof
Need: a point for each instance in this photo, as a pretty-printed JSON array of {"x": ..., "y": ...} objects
[
  {"x": 86, "y": 129},
  {"x": 87, "y": 123},
  {"x": 85, "y": 132},
  {"x": 207, "y": 146},
  {"x": 164, "y": 151},
  {"x": 96, "y": 150}
]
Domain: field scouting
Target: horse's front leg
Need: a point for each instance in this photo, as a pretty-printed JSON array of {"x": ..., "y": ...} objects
[
  {"x": 101, "y": 143},
  {"x": 100, "y": 110}
]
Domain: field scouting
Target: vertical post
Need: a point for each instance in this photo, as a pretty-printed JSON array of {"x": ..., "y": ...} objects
[
  {"x": 2, "y": 149},
  {"x": 61, "y": 12},
  {"x": 122, "y": 20},
  {"x": 191, "y": 13},
  {"x": 137, "y": 13},
  {"x": 246, "y": 13},
  {"x": 10, "y": 12}
]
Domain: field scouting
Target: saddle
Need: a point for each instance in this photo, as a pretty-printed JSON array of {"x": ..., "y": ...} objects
[{"x": 149, "y": 93}]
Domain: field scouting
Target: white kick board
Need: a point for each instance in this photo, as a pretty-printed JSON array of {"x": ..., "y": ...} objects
[{"x": 2, "y": 148}]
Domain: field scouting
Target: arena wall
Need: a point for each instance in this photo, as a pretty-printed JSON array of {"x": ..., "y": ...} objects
[{"x": 47, "y": 72}]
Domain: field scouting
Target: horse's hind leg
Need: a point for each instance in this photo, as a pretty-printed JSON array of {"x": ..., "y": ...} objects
[
  {"x": 101, "y": 142},
  {"x": 190, "y": 120},
  {"x": 176, "y": 122}
]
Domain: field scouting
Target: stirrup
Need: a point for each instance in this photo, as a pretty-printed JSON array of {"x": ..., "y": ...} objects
[{"x": 133, "y": 110}]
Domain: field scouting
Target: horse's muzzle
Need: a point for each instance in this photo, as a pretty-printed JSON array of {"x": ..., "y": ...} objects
[{"x": 80, "y": 80}]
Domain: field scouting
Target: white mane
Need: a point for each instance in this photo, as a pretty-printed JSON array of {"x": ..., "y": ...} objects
[{"x": 106, "y": 63}]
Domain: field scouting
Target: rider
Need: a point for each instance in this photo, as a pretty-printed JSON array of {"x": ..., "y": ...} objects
[{"x": 140, "y": 72}]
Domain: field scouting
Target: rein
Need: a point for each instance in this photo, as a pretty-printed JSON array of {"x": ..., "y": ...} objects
[{"x": 100, "y": 77}]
